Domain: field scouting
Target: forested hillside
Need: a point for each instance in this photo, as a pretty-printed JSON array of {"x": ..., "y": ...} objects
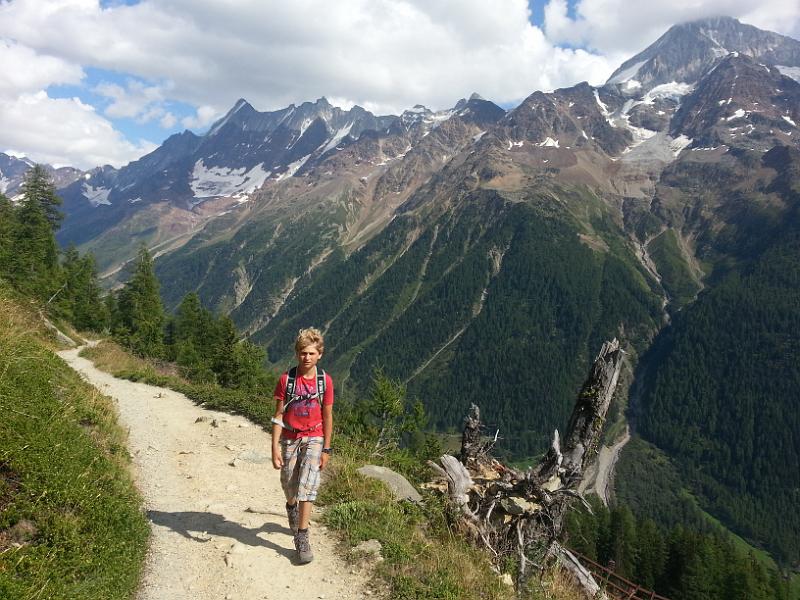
[
  {"x": 724, "y": 398},
  {"x": 477, "y": 304}
]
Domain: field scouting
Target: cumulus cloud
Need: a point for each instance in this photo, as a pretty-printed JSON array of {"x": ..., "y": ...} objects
[
  {"x": 622, "y": 28},
  {"x": 24, "y": 70},
  {"x": 63, "y": 131},
  {"x": 168, "y": 121},
  {"x": 391, "y": 54},
  {"x": 135, "y": 100},
  {"x": 203, "y": 117}
]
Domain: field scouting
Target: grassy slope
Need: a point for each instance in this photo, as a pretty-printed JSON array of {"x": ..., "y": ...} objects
[{"x": 70, "y": 524}]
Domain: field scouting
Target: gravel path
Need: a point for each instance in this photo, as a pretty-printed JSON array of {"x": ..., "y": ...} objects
[
  {"x": 215, "y": 503},
  {"x": 599, "y": 477}
]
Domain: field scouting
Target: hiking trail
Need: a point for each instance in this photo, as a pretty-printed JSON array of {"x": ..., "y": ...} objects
[{"x": 218, "y": 525}]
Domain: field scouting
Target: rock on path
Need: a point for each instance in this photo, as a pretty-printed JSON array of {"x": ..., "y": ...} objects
[{"x": 217, "y": 518}]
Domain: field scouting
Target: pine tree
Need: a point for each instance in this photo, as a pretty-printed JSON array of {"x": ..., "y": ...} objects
[
  {"x": 39, "y": 188},
  {"x": 224, "y": 361},
  {"x": 249, "y": 361},
  {"x": 141, "y": 313},
  {"x": 81, "y": 296},
  {"x": 651, "y": 554},
  {"x": 188, "y": 326},
  {"x": 7, "y": 228},
  {"x": 623, "y": 545},
  {"x": 34, "y": 257}
]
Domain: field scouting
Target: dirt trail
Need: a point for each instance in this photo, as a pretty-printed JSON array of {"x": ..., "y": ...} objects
[
  {"x": 599, "y": 478},
  {"x": 218, "y": 530}
]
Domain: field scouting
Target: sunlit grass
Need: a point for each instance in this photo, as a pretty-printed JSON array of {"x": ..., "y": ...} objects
[{"x": 70, "y": 519}]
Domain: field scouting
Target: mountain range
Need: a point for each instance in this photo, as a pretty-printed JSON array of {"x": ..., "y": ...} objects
[{"x": 482, "y": 255}]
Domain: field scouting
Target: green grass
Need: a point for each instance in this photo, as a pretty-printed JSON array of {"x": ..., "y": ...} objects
[
  {"x": 675, "y": 272},
  {"x": 423, "y": 558},
  {"x": 70, "y": 519}
]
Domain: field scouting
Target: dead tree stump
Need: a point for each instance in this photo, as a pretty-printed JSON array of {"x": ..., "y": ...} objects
[{"x": 518, "y": 513}]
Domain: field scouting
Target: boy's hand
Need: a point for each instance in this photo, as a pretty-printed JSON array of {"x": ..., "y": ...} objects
[
  {"x": 323, "y": 460},
  {"x": 277, "y": 460}
]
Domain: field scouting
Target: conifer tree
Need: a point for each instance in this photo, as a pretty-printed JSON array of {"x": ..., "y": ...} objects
[
  {"x": 224, "y": 360},
  {"x": 7, "y": 228},
  {"x": 34, "y": 259},
  {"x": 188, "y": 326},
  {"x": 249, "y": 361},
  {"x": 81, "y": 296},
  {"x": 39, "y": 188},
  {"x": 141, "y": 313}
]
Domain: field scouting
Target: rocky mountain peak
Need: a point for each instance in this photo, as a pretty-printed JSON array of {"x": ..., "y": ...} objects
[
  {"x": 687, "y": 51},
  {"x": 741, "y": 102}
]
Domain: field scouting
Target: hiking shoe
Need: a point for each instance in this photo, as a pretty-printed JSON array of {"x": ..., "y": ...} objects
[
  {"x": 293, "y": 512},
  {"x": 303, "y": 547}
]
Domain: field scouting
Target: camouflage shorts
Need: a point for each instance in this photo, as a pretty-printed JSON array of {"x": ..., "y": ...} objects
[{"x": 300, "y": 472}]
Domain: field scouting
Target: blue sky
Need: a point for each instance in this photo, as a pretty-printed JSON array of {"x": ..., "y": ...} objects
[{"x": 90, "y": 82}]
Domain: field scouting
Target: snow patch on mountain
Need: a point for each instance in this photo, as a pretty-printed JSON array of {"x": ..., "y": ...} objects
[
  {"x": 785, "y": 118},
  {"x": 628, "y": 73},
  {"x": 304, "y": 125},
  {"x": 227, "y": 118},
  {"x": 4, "y": 183},
  {"x": 719, "y": 50},
  {"x": 293, "y": 168},
  {"x": 603, "y": 108},
  {"x": 792, "y": 72},
  {"x": 679, "y": 143},
  {"x": 549, "y": 143},
  {"x": 672, "y": 90},
  {"x": 737, "y": 115},
  {"x": 96, "y": 196},
  {"x": 220, "y": 181},
  {"x": 338, "y": 137}
]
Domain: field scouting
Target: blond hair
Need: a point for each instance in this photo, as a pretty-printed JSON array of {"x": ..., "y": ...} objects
[{"x": 308, "y": 337}]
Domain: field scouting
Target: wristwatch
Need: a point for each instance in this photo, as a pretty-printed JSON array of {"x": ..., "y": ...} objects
[{"x": 328, "y": 450}]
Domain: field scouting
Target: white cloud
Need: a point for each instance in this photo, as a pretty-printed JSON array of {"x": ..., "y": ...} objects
[
  {"x": 168, "y": 121},
  {"x": 388, "y": 53},
  {"x": 385, "y": 55},
  {"x": 24, "y": 70},
  {"x": 62, "y": 131},
  {"x": 204, "y": 116},
  {"x": 136, "y": 99},
  {"x": 620, "y": 27}
]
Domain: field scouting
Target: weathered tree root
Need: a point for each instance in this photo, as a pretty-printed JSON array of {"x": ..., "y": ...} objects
[{"x": 521, "y": 514}]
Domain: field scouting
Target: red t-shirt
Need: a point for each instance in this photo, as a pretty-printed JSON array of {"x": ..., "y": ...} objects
[{"x": 304, "y": 415}]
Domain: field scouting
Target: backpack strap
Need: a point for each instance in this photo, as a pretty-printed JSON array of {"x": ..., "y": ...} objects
[
  {"x": 320, "y": 385},
  {"x": 288, "y": 397},
  {"x": 290, "y": 381}
]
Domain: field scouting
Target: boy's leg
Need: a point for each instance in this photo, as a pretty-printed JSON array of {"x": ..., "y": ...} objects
[
  {"x": 290, "y": 478},
  {"x": 306, "y": 494},
  {"x": 305, "y": 513}
]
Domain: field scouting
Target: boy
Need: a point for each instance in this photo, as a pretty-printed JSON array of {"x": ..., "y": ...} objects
[{"x": 301, "y": 434}]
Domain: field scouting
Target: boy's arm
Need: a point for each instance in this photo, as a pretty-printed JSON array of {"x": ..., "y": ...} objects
[
  {"x": 277, "y": 458},
  {"x": 327, "y": 432}
]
